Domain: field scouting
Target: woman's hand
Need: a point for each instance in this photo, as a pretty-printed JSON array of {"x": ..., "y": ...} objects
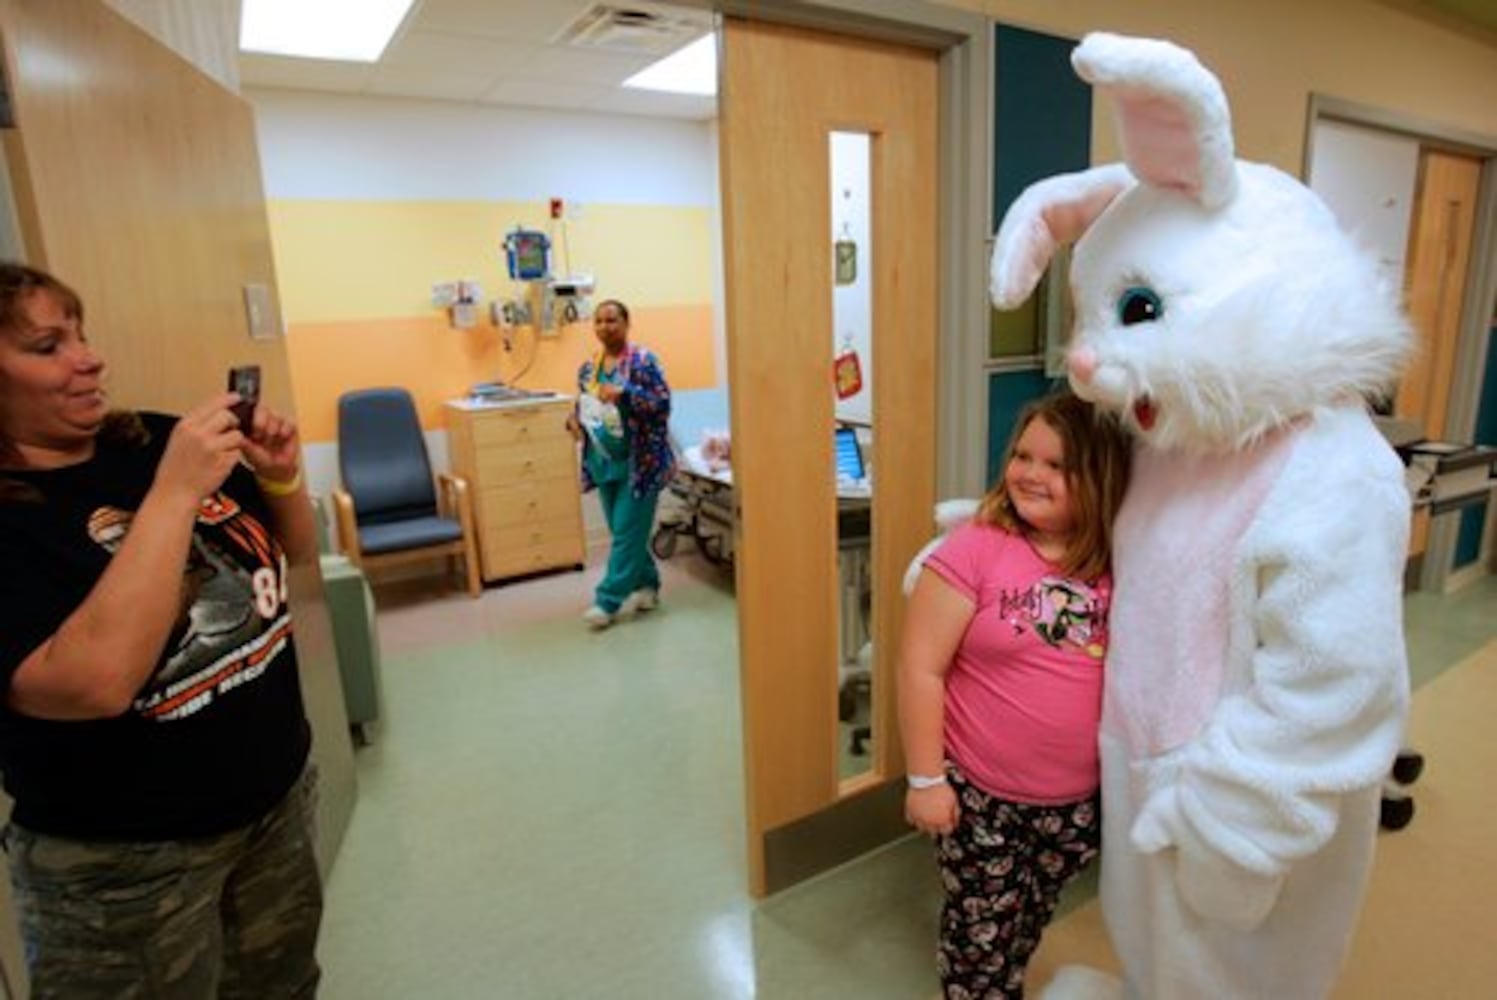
[
  {"x": 933, "y": 810},
  {"x": 273, "y": 448},
  {"x": 203, "y": 449},
  {"x": 573, "y": 427},
  {"x": 609, "y": 393}
]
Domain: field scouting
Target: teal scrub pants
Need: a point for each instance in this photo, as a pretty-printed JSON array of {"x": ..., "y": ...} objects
[{"x": 630, "y": 565}]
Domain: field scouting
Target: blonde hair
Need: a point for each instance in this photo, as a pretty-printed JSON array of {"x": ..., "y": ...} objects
[{"x": 1098, "y": 458}]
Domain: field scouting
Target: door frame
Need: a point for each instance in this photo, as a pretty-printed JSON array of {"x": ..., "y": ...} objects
[
  {"x": 964, "y": 41},
  {"x": 1478, "y": 309},
  {"x": 960, "y": 44}
]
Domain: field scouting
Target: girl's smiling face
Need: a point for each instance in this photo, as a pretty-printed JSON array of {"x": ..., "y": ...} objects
[{"x": 1036, "y": 479}]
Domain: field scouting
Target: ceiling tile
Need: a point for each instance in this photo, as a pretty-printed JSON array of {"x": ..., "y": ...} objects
[
  {"x": 454, "y": 83},
  {"x": 492, "y": 51},
  {"x": 304, "y": 74},
  {"x": 537, "y": 20},
  {"x": 436, "y": 48},
  {"x": 593, "y": 66}
]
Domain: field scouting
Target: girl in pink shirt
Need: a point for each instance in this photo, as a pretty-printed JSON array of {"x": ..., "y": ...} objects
[{"x": 1000, "y": 692}]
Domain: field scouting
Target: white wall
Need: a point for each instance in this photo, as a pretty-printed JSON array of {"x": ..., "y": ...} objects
[
  {"x": 316, "y": 145},
  {"x": 852, "y": 304},
  {"x": 1368, "y": 177}
]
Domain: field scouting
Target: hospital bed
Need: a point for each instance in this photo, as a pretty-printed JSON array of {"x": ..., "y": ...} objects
[
  {"x": 700, "y": 504},
  {"x": 699, "y": 501}
]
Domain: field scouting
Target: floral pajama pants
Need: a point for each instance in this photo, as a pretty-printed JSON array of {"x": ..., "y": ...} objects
[{"x": 1003, "y": 868}]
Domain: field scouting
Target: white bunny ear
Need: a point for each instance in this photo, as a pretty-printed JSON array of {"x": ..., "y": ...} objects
[
  {"x": 1050, "y": 212},
  {"x": 1173, "y": 116}
]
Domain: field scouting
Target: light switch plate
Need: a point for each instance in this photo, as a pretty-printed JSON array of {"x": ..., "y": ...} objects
[{"x": 259, "y": 312}]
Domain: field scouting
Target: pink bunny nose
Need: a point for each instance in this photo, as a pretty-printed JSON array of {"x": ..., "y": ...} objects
[{"x": 1083, "y": 364}]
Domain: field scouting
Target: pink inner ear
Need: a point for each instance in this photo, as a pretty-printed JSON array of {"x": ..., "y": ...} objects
[
  {"x": 1159, "y": 141},
  {"x": 1050, "y": 212},
  {"x": 1068, "y": 221},
  {"x": 1031, "y": 255},
  {"x": 1057, "y": 222}
]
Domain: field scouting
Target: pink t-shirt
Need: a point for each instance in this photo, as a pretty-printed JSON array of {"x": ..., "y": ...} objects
[{"x": 1024, "y": 692}]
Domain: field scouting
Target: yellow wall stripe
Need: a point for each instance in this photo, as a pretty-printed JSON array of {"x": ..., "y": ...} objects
[{"x": 344, "y": 260}]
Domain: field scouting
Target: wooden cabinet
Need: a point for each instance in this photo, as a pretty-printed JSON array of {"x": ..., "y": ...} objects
[{"x": 521, "y": 464}]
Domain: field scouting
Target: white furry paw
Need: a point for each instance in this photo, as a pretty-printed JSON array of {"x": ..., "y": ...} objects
[
  {"x": 952, "y": 514},
  {"x": 1080, "y": 982},
  {"x": 912, "y": 572}
]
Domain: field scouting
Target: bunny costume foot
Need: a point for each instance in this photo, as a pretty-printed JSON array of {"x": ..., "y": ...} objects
[
  {"x": 1256, "y": 685},
  {"x": 1077, "y": 982}
]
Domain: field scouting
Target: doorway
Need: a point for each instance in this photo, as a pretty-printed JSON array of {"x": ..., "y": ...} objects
[
  {"x": 1423, "y": 199},
  {"x": 836, "y": 479}
]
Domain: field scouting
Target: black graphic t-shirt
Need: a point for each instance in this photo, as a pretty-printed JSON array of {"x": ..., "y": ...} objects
[{"x": 218, "y": 734}]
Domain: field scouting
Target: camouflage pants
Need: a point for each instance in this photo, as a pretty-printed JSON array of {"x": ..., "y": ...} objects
[{"x": 234, "y": 915}]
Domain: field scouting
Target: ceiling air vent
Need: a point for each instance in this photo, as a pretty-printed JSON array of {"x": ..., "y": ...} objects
[{"x": 635, "y": 28}]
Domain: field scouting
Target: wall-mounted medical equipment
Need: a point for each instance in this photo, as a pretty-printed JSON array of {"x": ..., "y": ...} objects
[
  {"x": 566, "y": 299},
  {"x": 574, "y": 286},
  {"x": 544, "y": 302},
  {"x": 527, "y": 252},
  {"x": 460, "y": 299}
]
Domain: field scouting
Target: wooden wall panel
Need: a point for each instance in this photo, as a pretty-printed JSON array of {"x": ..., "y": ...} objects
[{"x": 137, "y": 181}]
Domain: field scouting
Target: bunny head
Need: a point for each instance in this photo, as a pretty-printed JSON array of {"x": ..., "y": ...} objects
[{"x": 1215, "y": 299}]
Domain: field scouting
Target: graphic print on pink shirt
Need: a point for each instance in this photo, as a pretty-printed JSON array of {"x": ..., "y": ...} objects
[
  {"x": 1060, "y": 612},
  {"x": 1024, "y": 691}
]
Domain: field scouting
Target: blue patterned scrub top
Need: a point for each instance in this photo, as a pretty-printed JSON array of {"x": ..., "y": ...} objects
[{"x": 646, "y": 408}]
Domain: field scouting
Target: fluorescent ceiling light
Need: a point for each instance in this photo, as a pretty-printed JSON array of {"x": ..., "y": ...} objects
[
  {"x": 349, "y": 30},
  {"x": 688, "y": 70}
]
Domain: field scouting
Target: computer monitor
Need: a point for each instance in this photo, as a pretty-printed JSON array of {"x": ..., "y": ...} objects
[{"x": 849, "y": 455}]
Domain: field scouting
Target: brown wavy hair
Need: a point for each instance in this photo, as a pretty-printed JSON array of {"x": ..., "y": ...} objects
[
  {"x": 18, "y": 283},
  {"x": 1098, "y": 461}
]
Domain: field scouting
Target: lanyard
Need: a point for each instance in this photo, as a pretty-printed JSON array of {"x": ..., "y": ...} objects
[{"x": 621, "y": 369}]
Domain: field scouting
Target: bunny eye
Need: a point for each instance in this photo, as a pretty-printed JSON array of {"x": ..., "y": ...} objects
[{"x": 1139, "y": 305}]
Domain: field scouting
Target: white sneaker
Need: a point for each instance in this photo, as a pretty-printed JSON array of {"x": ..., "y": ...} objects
[
  {"x": 596, "y": 618},
  {"x": 643, "y": 599}
]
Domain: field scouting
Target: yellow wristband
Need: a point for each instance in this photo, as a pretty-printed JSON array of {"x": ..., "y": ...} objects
[{"x": 271, "y": 488}]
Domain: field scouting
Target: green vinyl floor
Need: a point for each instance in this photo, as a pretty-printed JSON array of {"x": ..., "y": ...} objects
[{"x": 547, "y": 812}]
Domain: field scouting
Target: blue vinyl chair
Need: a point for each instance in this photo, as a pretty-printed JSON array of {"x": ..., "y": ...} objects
[{"x": 390, "y": 510}]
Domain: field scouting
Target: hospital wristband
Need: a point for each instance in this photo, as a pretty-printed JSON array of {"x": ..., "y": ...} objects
[
  {"x": 920, "y": 781},
  {"x": 272, "y": 488}
]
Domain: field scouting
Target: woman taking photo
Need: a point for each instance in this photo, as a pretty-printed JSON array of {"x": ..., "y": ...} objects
[
  {"x": 623, "y": 420},
  {"x": 152, "y": 732}
]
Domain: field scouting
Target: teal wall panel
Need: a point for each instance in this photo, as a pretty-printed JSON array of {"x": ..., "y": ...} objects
[
  {"x": 1473, "y": 519},
  {"x": 1042, "y": 113},
  {"x": 1042, "y": 125},
  {"x": 1007, "y": 394}
]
